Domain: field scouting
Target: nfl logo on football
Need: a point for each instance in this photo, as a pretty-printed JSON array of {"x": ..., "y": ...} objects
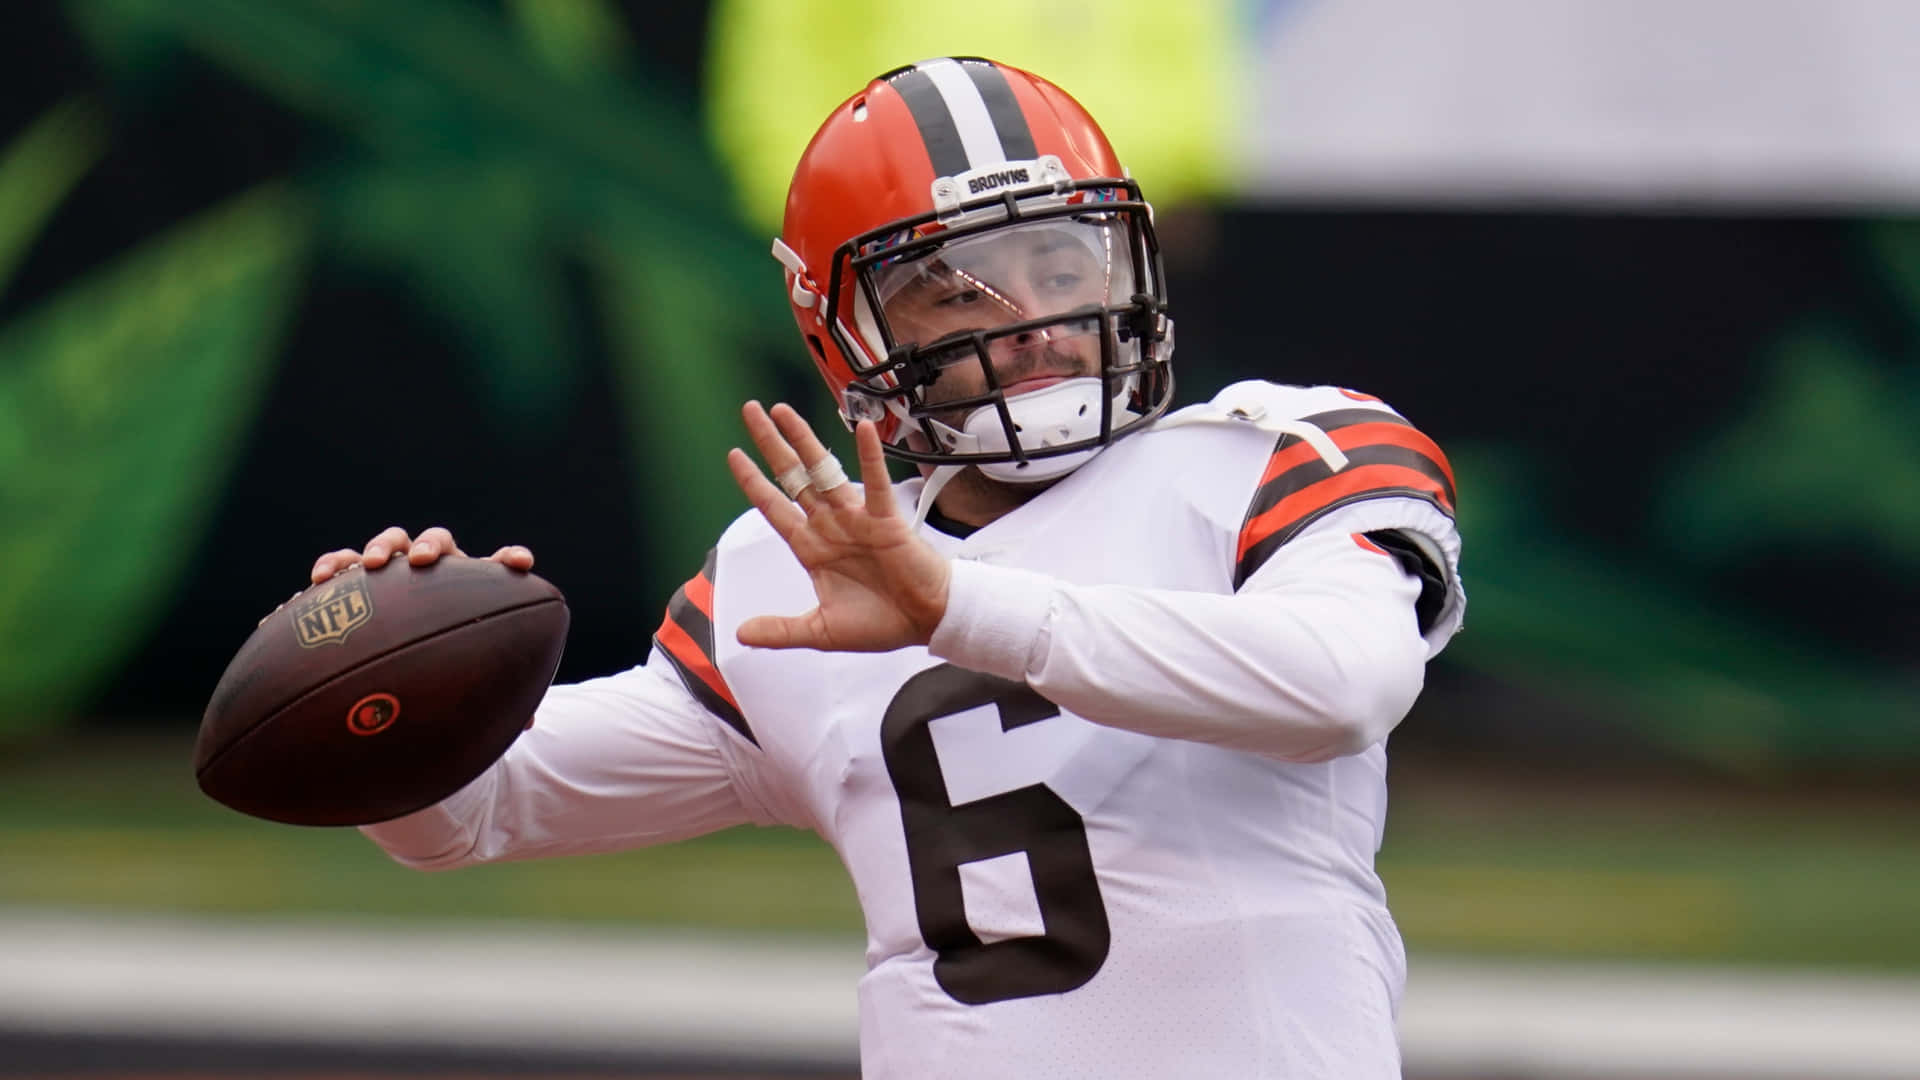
[{"x": 333, "y": 611}]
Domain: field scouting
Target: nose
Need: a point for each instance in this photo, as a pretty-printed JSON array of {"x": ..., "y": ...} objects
[
  {"x": 1024, "y": 341},
  {"x": 1021, "y": 306}
]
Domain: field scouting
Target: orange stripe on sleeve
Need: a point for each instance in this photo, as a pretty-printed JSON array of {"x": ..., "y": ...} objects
[
  {"x": 676, "y": 641},
  {"x": 1341, "y": 487},
  {"x": 1357, "y": 435}
]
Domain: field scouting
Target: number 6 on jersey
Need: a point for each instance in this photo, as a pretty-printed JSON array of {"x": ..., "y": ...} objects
[{"x": 941, "y": 837}]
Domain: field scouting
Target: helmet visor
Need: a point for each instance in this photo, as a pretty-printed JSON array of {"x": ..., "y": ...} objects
[{"x": 1053, "y": 268}]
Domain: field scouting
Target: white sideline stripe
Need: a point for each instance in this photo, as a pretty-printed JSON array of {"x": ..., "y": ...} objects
[
  {"x": 1590, "y": 1021},
  {"x": 506, "y": 986},
  {"x": 778, "y": 1000}
]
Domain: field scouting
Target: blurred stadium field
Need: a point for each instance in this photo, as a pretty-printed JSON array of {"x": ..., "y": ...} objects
[{"x": 1507, "y": 867}]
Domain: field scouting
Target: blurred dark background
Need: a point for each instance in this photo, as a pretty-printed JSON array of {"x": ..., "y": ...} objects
[{"x": 1684, "y": 432}]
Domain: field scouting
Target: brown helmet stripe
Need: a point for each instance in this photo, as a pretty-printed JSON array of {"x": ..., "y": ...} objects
[
  {"x": 1016, "y": 138},
  {"x": 935, "y": 121}
]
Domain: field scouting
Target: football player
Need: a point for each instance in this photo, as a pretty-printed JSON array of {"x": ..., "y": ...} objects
[{"x": 1095, "y": 708}]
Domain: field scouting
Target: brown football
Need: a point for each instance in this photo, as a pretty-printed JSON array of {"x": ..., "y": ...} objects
[{"x": 376, "y": 693}]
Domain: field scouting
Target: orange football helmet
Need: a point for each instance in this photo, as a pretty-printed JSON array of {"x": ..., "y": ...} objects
[{"x": 991, "y": 202}]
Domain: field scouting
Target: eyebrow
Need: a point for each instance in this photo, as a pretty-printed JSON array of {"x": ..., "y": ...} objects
[{"x": 923, "y": 281}]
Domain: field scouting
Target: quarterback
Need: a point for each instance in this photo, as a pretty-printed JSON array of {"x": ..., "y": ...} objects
[{"x": 1094, "y": 708}]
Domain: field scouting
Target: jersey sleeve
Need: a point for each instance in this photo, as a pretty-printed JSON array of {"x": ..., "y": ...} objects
[
  {"x": 1396, "y": 488},
  {"x": 1386, "y": 458},
  {"x": 1318, "y": 656},
  {"x": 623, "y": 761},
  {"x": 1343, "y": 583},
  {"x": 685, "y": 637}
]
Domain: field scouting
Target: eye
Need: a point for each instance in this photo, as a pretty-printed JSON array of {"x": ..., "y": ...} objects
[
  {"x": 960, "y": 299},
  {"x": 1063, "y": 281}
]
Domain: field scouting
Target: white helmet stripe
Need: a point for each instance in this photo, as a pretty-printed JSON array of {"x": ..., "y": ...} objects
[
  {"x": 1016, "y": 138},
  {"x": 969, "y": 111}
]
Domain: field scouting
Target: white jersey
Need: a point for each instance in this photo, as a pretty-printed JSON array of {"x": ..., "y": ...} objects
[{"x": 1119, "y": 819}]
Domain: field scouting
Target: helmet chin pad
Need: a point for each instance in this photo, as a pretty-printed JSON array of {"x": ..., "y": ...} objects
[{"x": 1066, "y": 412}]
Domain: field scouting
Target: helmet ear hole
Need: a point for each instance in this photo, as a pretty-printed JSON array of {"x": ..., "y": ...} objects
[
  {"x": 820, "y": 363},
  {"x": 820, "y": 360}
]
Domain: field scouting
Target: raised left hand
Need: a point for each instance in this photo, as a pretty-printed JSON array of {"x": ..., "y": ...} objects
[{"x": 879, "y": 585}]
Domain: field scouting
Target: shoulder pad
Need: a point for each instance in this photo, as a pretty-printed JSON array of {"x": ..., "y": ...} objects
[
  {"x": 1255, "y": 397},
  {"x": 1268, "y": 407}
]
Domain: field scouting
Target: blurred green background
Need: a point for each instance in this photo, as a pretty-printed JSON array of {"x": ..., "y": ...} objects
[{"x": 275, "y": 275}]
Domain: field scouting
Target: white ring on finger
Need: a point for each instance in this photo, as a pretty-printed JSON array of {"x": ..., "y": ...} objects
[
  {"x": 827, "y": 474},
  {"x": 794, "y": 481}
]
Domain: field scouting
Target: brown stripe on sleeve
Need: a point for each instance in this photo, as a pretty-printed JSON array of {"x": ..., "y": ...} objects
[
  {"x": 1386, "y": 457},
  {"x": 686, "y": 637}
]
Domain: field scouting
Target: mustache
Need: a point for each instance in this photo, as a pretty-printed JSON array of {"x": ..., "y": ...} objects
[
  {"x": 1046, "y": 362},
  {"x": 1052, "y": 359},
  {"x": 1050, "y": 362},
  {"x": 1032, "y": 362}
]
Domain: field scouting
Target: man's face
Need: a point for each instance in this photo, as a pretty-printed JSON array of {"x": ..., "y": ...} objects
[{"x": 1004, "y": 277}]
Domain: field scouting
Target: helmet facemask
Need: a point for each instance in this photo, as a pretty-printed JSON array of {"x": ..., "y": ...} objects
[{"x": 1017, "y": 334}]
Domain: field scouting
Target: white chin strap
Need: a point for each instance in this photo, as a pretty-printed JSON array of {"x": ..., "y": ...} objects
[
  {"x": 1068, "y": 411},
  {"x": 930, "y": 491}
]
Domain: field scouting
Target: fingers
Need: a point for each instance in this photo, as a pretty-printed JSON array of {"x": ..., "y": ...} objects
[
  {"x": 514, "y": 557},
  {"x": 799, "y": 435},
  {"x": 332, "y": 563},
  {"x": 774, "y": 450},
  {"x": 773, "y": 504},
  {"x": 873, "y": 470},
  {"x": 393, "y": 540},
  {"x": 430, "y": 545}
]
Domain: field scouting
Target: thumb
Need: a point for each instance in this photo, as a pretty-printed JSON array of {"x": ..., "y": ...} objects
[{"x": 780, "y": 632}]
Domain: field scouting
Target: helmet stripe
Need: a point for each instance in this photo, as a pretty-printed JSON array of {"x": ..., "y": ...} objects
[
  {"x": 969, "y": 111},
  {"x": 935, "y": 121},
  {"x": 966, "y": 112},
  {"x": 1016, "y": 139}
]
